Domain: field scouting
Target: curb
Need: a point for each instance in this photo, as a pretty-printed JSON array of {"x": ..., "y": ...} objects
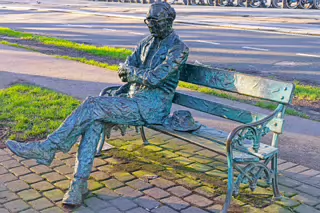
[{"x": 225, "y": 26}]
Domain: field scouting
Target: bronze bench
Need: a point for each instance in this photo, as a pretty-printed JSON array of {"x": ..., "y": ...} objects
[{"x": 242, "y": 145}]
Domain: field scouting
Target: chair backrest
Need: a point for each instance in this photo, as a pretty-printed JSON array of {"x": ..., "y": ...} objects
[{"x": 262, "y": 88}]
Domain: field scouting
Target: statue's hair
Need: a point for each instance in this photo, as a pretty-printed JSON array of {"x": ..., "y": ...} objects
[{"x": 171, "y": 13}]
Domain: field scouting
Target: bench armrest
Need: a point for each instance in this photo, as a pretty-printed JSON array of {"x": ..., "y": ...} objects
[{"x": 252, "y": 132}]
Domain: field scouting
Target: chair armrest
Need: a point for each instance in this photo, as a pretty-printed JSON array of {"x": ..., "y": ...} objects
[
  {"x": 109, "y": 91},
  {"x": 253, "y": 131}
]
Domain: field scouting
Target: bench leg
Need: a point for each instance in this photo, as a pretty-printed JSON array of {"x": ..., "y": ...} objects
[
  {"x": 275, "y": 186},
  {"x": 230, "y": 184},
  {"x": 143, "y": 136},
  {"x": 100, "y": 144}
]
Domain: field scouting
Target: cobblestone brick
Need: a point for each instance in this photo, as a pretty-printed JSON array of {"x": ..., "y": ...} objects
[
  {"x": 162, "y": 183},
  {"x": 311, "y": 190},
  {"x": 94, "y": 185},
  {"x": 98, "y": 175},
  {"x": 184, "y": 153},
  {"x": 217, "y": 173},
  {"x": 3, "y": 210},
  {"x": 10, "y": 164},
  {"x": 56, "y": 163},
  {"x": 189, "y": 183},
  {"x": 42, "y": 186},
  {"x": 310, "y": 173},
  {"x": 156, "y": 193},
  {"x": 53, "y": 210},
  {"x": 106, "y": 194},
  {"x": 99, "y": 162},
  {"x": 183, "y": 160},
  {"x": 198, "y": 200},
  {"x": 143, "y": 173},
  {"x": 31, "y": 178},
  {"x": 123, "y": 176},
  {"x": 29, "y": 163},
  {"x": 62, "y": 156},
  {"x": 288, "y": 192},
  {"x": 7, "y": 177},
  {"x": 168, "y": 154},
  {"x": 54, "y": 195},
  {"x": 307, "y": 199},
  {"x": 287, "y": 202},
  {"x": 127, "y": 191},
  {"x": 201, "y": 159},
  {"x": 286, "y": 165},
  {"x": 16, "y": 205},
  {"x": 193, "y": 210},
  {"x": 53, "y": 177},
  {"x": 206, "y": 191},
  {"x": 297, "y": 169},
  {"x": 29, "y": 194},
  {"x": 7, "y": 196},
  {"x": 41, "y": 203},
  {"x": 112, "y": 183},
  {"x": 70, "y": 162},
  {"x": 63, "y": 184},
  {"x": 19, "y": 171},
  {"x": 200, "y": 167},
  {"x": 64, "y": 170},
  {"x": 217, "y": 208},
  {"x": 164, "y": 209},
  {"x": 123, "y": 204},
  {"x": 17, "y": 185},
  {"x": 288, "y": 182},
  {"x": 3, "y": 170},
  {"x": 276, "y": 208},
  {"x": 175, "y": 203},
  {"x": 139, "y": 184},
  {"x": 137, "y": 210},
  {"x": 96, "y": 204},
  {"x": 147, "y": 202},
  {"x": 109, "y": 210},
  {"x": 179, "y": 191},
  {"x": 83, "y": 209},
  {"x": 207, "y": 153},
  {"x": 29, "y": 211},
  {"x": 40, "y": 169},
  {"x": 5, "y": 158}
]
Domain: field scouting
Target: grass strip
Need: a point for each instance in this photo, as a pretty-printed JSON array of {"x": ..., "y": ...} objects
[
  {"x": 306, "y": 92},
  {"x": 112, "y": 52},
  {"x": 90, "y": 62},
  {"x": 16, "y": 45},
  {"x": 21, "y": 109}
]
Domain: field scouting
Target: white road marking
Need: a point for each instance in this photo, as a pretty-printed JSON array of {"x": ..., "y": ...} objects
[
  {"x": 108, "y": 29},
  {"x": 308, "y": 55},
  {"x": 255, "y": 48},
  {"x": 208, "y": 42},
  {"x": 135, "y": 33}
]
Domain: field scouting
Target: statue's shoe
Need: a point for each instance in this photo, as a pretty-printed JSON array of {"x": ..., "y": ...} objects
[
  {"x": 32, "y": 150},
  {"x": 76, "y": 193}
]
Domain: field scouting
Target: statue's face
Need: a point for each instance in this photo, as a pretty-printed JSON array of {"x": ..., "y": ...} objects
[{"x": 158, "y": 23}]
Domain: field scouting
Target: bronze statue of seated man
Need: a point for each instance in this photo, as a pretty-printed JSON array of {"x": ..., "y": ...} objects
[{"x": 152, "y": 75}]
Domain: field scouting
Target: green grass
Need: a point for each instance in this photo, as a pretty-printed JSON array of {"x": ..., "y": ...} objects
[
  {"x": 16, "y": 45},
  {"x": 305, "y": 92},
  {"x": 32, "y": 112},
  {"x": 112, "y": 52},
  {"x": 91, "y": 62}
]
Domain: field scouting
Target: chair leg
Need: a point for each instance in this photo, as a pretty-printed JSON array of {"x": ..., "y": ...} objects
[
  {"x": 100, "y": 144},
  {"x": 230, "y": 185},
  {"x": 275, "y": 186},
  {"x": 143, "y": 135}
]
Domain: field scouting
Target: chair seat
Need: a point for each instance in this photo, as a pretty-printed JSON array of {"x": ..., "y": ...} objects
[{"x": 215, "y": 140}]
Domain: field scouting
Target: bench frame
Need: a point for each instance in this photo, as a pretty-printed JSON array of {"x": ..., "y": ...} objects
[{"x": 254, "y": 128}]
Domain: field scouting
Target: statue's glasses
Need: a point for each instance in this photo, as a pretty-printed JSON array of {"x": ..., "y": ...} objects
[{"x": 151, "y": 21}]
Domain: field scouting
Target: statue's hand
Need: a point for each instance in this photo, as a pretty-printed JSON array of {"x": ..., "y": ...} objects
[{"x": 123, "y": 73}]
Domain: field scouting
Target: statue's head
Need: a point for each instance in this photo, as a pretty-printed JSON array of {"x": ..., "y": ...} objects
[{"x": 160, "y": 19}]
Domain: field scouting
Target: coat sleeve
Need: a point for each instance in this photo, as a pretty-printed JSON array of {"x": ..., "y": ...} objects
[{"x": 176, "y": 56}]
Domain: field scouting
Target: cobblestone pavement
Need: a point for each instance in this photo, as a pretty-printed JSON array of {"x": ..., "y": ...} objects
[{"x": 168, "y": 176}]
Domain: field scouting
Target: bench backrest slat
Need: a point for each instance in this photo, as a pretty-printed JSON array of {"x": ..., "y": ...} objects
[
  {"x": 225, "y": 111},
  {"x": 254, "y": 86}
]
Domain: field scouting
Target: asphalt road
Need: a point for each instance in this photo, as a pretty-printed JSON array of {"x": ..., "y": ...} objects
[{"x": 288, "y": 57}]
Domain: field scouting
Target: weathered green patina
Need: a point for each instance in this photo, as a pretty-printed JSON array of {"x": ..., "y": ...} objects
[{"x": 241, "y": 146}]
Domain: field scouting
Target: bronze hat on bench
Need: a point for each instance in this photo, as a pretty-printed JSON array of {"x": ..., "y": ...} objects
[{"x": 181, "y": 120}]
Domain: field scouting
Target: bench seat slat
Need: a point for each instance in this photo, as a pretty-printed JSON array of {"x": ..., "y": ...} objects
[{"x": 215, "y": 140}]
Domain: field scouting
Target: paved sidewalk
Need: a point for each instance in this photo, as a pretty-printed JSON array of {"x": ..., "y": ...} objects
[{"x": 139, "y": 185}]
